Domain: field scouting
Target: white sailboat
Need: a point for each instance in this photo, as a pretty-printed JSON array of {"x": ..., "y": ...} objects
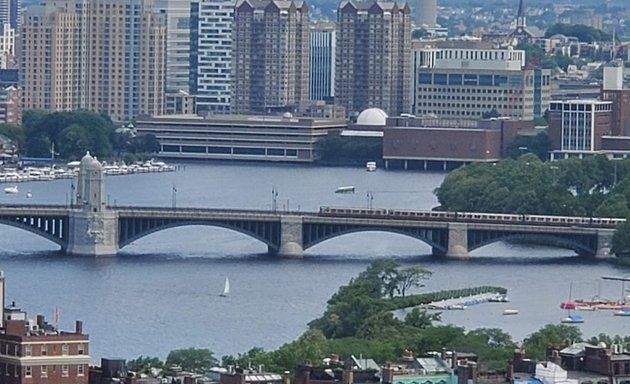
[{"x": 226, "y": 288}]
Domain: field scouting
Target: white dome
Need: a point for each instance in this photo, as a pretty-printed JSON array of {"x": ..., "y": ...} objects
[{"x": 372, "y": 116}]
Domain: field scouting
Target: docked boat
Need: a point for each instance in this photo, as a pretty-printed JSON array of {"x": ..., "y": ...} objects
[
  {"x": 456, "y": 306},
  {"x": 346, "y": 189},
  {"x": 370, "y": 166},
  {"x": 623, "y": 312},
  {"x": 11, "y": 190},
  {"x": 507, "y": 312},
  {"x": 570, "y": 305},
  {"x": 499, "y": 299},
  {"x": 572, "y": 319}
]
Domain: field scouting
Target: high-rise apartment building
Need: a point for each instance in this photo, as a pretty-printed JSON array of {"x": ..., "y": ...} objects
[
  {"x": 426, "y": 13},
  {"x": 270, "y": 56},
  {"x": 53, "y": 56},
  {"x": 177, "y": 43},
  {"x": 323, "y": 43},
  {"x": 211, "y": 54},
  {"x": 469, "y": 83},
  {"x": 373, "y": 63},
  {"x": 102, "y": 55},
  {"x": 10, "y": 14}
]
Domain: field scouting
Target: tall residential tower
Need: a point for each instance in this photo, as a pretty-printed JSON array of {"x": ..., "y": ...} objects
[
  {"x": 103, "y": 55},
  {"x": 270, "y": 57},
  {"x": 211, "y": 59},
  {"x": 373, "y": 63},
  {"x": 426, "y": 13},
  {"x": 322, "y": 61}
]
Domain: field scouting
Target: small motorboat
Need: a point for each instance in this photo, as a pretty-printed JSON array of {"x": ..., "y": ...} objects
[
  {"x": 346, "y": 189},
  {"x": 370, "y": 166},
  {"x": 499, "y": 299},
  {"x": 456, "y": 307},
  {"x": 29, "y": 195},
  {"x": 11, "y": 190},
  {"x": 623, "y": 312},
  {"x": 507, "y": 312},
  {"x": 572, "y": 319}
]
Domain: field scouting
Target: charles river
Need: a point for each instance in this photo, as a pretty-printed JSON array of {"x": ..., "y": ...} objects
[{"x": 161, "y": 293}]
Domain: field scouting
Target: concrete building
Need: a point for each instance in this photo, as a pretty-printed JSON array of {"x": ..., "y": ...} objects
[
  {"x": 613, "y": 91},
  {"x": 469, "y": 82},
  {"x": 177, "y": 43},
  {"x": 37, "y": 352},
  {"x": 576, "y": 127},
  {"x": 444, "y": 144},
  {"x": 426, "y": 13},
  {"x": 181, "y": 103},
  {"x": 373, "y": 63},
  {"x": 118, "y": 70},
  {"x": 211, "y": 54},
  {"x": 10, "y": 105},
  {"x": 323, "y": 42},
  {"x": 238, "y": 137},
  {"x": 10, "y": 14},
  {"x": 270, "y": 56},
  {"x": 7, "y": 47}
]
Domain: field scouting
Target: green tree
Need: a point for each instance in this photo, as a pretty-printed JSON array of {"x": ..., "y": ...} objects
[
  {"x": 143, "y": 364},
  {"x": 255, "y": 357},
  {"x": 420, "y": 318},
  {"x": 73, "y": 141},
  {"x": 559, "y": 336},
  {"x": 196, "y": 360},
  {"x": 411, "y": 277},
  {"x": 45, "y": 128},
  {"x": 13, "y": 132},
  {"x": 311, "y": 346}
]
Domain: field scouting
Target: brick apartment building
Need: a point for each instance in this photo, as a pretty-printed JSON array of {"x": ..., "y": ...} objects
[{"x": 35, "y": 352}]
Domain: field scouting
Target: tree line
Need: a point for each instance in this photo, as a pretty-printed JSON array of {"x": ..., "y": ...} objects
[
  {"x": 359, "y": 320},
  {"x": 73, "y": 133}
]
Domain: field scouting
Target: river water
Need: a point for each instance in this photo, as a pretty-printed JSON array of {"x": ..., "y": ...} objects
[{"x": 161, "y": 293}]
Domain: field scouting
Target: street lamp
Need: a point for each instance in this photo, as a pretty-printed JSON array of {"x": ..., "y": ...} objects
[
  {"x": 274, "y": 199},
  {"x": 174, "y": 197},
  {"x": 370, "y": 198}
]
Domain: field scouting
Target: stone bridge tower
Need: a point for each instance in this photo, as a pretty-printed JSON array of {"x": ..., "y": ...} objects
[{"x": 93, "y": 227}]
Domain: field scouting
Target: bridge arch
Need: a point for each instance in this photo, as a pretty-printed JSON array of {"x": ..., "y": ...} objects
[
  {"x": 29, "y": 225},
  {"x": 435, "y": 238},
  {"x": 581, "y": 245},
  {"x": 129, "y": 234}
]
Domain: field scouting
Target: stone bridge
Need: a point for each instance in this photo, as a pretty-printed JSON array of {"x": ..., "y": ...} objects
[{"x": 91, "y": 228}]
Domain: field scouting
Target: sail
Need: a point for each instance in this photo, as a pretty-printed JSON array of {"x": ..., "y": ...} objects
[{"x": 226, "y": 287}]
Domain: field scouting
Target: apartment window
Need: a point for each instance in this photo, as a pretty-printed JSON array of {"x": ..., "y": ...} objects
[
  {"x": 80, "y": 371},
  {"x": 44, "y": 350},
  {"x": 44, "y": 371},
  {"x": 28, "y": 371},
  {"x": 64, "y": 370},
  {"x": 64, "y": 349},
  {"x": 28, "y": 350},
  {"x": 80, "y": 349}
]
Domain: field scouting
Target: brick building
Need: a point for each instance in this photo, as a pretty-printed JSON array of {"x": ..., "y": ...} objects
[
  {"x": 35, "y": 352},
  {"x": 442, "y": 144}
]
